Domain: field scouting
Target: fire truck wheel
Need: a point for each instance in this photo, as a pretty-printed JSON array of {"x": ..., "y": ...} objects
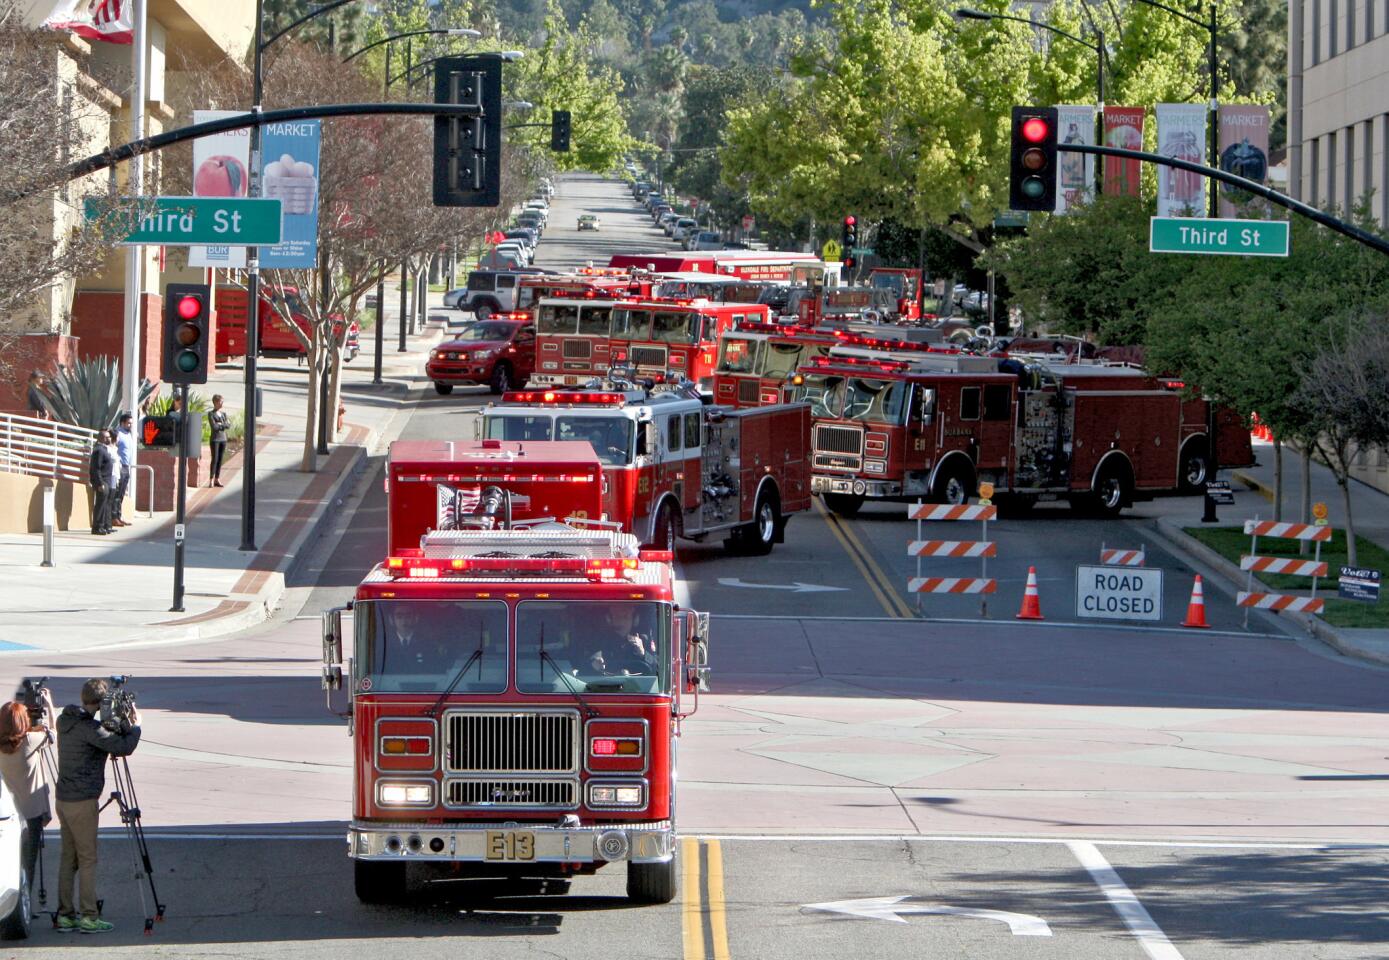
[
  {"x": 443, "y": 389},
  {"x": 844, "y": 504},
  {"x": 651, "y": 882},
  {"x": 501, "y": 378},
  {"x": 379, "y": 882},
  {"x": 663, "y": 534},
  {"x": 954, "y": 485},
  {"x": 756, "y": 539},
  {"x": 1111, "y": 491},
  {"x": 1193, "y": 473}
]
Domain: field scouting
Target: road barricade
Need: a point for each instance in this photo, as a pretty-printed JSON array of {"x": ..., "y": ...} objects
[
  {"x": 983, "y": 548},
  {"x": 1315, "y": 568},
  {"x": 1122, "y": 558}
]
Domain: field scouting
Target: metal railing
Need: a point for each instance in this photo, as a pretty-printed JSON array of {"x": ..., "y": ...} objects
[{"x": 45, "y": 448}]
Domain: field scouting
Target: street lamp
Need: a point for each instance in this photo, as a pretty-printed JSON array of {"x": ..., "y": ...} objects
[{"x": 440, "y": 32}]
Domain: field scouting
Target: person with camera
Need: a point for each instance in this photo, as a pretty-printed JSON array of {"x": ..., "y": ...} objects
[
  {"x": 25, "y": 733},
  {"x": 84, "y": 744}
]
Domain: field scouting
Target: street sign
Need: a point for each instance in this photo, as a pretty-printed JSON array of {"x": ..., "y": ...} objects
[
  {"x": 1359, "y": 583},
  {"x": 1112, "y": 593},
  {"x": 197, "y": 221},
  {"x": 1247, "y": 238},
  {"x": 831, "y": 251},
  {"x": 862, "y": 251},
  {"x": 1319, "y": 513},
  {"x": 1219, "y": 491}
]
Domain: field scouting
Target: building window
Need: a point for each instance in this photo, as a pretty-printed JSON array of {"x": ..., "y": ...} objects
[
  {"x": 1316, "y": 31},
  {"x": 1368, "y": 161},
  {"x": 1349, "y": 203},
  {"x": 1350, "y": 23},
  {"x": 1331, "y": 156},
  {"x": 1331, "y": 28},
  {"x": 1384, "y": 170},
  {"x": 1314, "y": 184}
]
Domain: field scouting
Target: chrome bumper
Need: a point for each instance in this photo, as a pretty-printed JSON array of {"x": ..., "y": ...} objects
[
  {"x": 856, "y": 486},
  {"x": 444, "y": 843}
]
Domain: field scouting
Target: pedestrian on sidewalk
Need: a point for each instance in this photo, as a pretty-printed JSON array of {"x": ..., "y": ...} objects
[
  {"x": 102, "y": 472},
  {"x": 22, "y": 743},
  {"x": 125, "y": 458},
  {"x": 218, "y": 423},
  {"x": 83, "y": 746},
  {"x": 36, "y": 407}
]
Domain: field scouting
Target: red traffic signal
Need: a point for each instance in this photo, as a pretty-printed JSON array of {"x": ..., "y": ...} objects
[
  {"x": 189, "y": 306},
  {"x": 1032, "y": 159},
  {"x": 849, "y": 221},
  {"x": 1035, "y": 129},
  {"x": 186, "y": 333}
]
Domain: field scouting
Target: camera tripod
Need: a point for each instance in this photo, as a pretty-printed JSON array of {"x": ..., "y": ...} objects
[{"x": 123, "y": 796}]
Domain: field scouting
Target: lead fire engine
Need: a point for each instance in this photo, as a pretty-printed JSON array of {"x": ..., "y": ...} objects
[
  {"x": 899, "y": 427},
  {"x": 514, "y": 684},
  {"x": 673, "y": 465}
]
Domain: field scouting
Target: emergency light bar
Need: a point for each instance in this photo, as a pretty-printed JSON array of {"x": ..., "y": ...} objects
[
  {"x": 893, "y": 366},
  {"x": 594, "y": 568},
  {"x": 849, "y": 338},
  {"x": 565, "y": 396}
]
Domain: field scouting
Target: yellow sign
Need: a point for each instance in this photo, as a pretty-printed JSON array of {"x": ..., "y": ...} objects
[
  {"x": 985, "y": 502},
  {"x": 986, "y": 491},
  {"x": 831, "y": 250},
  {"x": 1319, "y": 510}
]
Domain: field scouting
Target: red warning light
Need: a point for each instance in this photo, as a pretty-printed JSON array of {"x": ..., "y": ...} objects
[
  {"x": 189, "y": 307},
  {"x": 1034, "y": 130},
  {"x": 849, "y": 221}
]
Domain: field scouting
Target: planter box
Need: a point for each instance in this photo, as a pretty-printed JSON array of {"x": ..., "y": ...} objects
[{"x": 165, "y": 465}]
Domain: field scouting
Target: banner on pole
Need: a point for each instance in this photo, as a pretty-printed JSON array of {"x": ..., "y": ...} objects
[
  {"x": 1181, "y": 134},
  {"x": 1244, "y": 152},
  {"x": 108, "y": 20},
  {"x": 220, "y": 165},
  {"x": 1075, "y": 181},
  {"x": 1123, "y": 128},
  {"x": 289, "y": 172}
]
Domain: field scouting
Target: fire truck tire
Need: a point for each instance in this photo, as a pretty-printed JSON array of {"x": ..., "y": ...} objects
[
  {"x": 756, "y": 539},
  {"x": 377, "y": 882},
  {"x": 501, "y": 379},
  {"x": 651, "y": 882},
  {"x": 1191, "y": 478},
  {"x": 954, "y": 485},
  {"x": 664, "y": 532},
  {"x": 443, "y": 389},
  {"x": 844, "y": 504},
  {"x": 1112, "y": 491}
]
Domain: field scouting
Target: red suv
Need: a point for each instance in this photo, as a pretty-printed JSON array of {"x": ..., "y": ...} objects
[{"x": 499, "y": 352}]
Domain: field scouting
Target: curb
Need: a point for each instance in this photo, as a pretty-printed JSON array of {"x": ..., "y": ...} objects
[
  {"x": 1230, "y": 572},
  {"x": 1258, "y": 486}
]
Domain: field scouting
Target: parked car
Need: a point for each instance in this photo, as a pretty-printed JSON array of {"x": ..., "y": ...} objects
[
  {"x": 521, "y": 249},
  {"x": 16, "y": 911},
  {"x": 659, "y": 211},
  {"x": 499, "y": 353},
  {"x": 524, "y": 234},
  {"x": 683, "y": 226},
  {"x": 532, "y": 221},
  {"x": 588, "y": 222},
  {"x": 508, "y": 259},
  {"x": 490, "y": 291},
  {"x": 668, "y": 221},
  {"x": 705, "y": 240}
]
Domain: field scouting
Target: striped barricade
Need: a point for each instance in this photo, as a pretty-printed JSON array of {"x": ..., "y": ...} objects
[
  {"x": 1279, "y": 601},
  {"x": 1122, "y": 558},
  {"x": 1252, "y": 562},
  {"x": 982, "y": 549},
  {"x": 952, "y": 585}
]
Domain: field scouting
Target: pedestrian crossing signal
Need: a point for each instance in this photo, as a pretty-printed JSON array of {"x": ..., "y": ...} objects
[{"x": 159, "y": 431}]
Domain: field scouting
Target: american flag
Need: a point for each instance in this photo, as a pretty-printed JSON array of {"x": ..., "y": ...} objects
[{"x": 454, "y": 503}]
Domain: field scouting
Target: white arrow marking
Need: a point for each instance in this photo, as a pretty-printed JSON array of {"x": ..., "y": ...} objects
[
  {"x": 891, "y": 908},
  {"x": 795, "y": 587}
]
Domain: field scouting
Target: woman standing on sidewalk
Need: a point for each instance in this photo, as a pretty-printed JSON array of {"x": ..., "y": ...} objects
[
  {"x": 218, "y": 423},
  {"x": 22, "y": 743}
]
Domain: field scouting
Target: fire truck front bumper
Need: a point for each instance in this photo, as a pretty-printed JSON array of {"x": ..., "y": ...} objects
[
  {"x": 512, "y": 843},
  {"x": 855, "y": 486}
]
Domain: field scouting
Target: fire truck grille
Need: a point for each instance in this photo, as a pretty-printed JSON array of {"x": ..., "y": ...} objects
[
  {"x": 491, "y": 742},
  {"x": 649, "y": 357},
  {"x": 577, "y": 349},
  {"x": 838, "y": 448},
  {"x": 557, "y": 794},
  {"x": 747, "y": 391}
]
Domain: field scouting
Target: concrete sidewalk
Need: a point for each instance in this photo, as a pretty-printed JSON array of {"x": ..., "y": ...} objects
[
  {"x": 117, "y": 590},
  {"x": 1254, "y": 488}
]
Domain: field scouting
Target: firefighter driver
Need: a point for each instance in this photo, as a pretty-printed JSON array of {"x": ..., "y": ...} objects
[{"x": 618, "y": 644}]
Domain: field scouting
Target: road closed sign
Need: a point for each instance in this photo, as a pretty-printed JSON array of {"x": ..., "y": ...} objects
[{"x": 1124, "y": 593}]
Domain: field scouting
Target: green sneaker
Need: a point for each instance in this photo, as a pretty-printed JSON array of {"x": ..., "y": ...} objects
[
  {"x": 66, "y": 924},
  {"x": 93, "y": 925}
]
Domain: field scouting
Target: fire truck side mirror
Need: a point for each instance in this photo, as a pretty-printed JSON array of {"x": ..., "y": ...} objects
[
  {"x": 332, "y": 650},
  {"x": 647, "y": 441},
  {"x": 697, "y": 654}
]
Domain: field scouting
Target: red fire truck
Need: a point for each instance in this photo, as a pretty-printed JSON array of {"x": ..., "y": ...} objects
[
  {"x": 592, "y": 283},
  {"x": 795, "y": 268},
  {"x": 899, "y": 427},
  {"x": 513, "y": 687},
  {"x": 674, "y": 466},
  {"x": 277, "y": 339}
]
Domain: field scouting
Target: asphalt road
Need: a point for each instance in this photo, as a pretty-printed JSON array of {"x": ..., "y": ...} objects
[{"x": 860, "y": 781}]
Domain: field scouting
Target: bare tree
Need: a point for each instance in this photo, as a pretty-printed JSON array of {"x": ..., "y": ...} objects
[{"x": 1345, "y": 388}]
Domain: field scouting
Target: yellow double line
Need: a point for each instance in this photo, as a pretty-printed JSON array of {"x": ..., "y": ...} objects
[
  {"x": 868, "y": 568},
  {"x": 703, "y": 915}
]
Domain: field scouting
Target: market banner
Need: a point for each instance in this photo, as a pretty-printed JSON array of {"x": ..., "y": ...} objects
[
  {"x": 220, "y": 165},
  {"x": 1243, "y": 132},
  {"x": 108, "y": 20},
  {"x": 1123, "y": 128},
  {"x": 1075, "y": 180},
  {"x": 289, "y": 172},
  {"x": 1181, "y": 134}
]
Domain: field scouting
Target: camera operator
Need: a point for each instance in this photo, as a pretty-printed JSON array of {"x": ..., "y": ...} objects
[
  {"x": 83, "y": 746},
  {"x": 23, "y": 738}
]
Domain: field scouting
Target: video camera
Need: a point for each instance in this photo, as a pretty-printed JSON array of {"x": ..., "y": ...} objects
[
  {"x": 30, "y": 694},
  {"x": 117, "y": 706}
]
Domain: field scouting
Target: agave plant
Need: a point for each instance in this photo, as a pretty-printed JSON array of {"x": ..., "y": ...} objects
[{"x": 88, "y": 393}]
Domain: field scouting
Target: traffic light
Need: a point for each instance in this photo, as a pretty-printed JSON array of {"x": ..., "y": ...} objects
[
  {"x": 1032, "y": 159},
  {"x": 159, "y": 431},
  {"x": 848, "y": 241},
  {"x": 559, "y": 131},
  {"x": 468, "y": 150},
  {"x": 186, "y": 346}
]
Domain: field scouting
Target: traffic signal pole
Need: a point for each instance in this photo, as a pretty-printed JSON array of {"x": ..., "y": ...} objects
[
  {"x": 248, "y": 450},
  {"x": 181, "y": 499}
]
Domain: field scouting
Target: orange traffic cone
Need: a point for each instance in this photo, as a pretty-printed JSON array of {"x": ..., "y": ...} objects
[
  {"x": 1196, "y": 609},
  {"x": 1031, "y": 603}
]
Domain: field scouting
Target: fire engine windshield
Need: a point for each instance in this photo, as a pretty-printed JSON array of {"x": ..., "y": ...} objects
[
  {"x": 592, "y": 646},
  {"x": 418, "y": 646},
  {"x": 737, "y": 355},
  {"x": 780, "y": 360},
  {"x": 674, "y": 326},
  {"x": 595, "y": 321},
  {"x": 865, "y": 400},
  {"x": 610, "y": 437},
  {"x": 557, "y": 318}
]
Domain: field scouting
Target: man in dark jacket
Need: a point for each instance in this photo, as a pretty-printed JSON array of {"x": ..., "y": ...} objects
[
  {"x": 83, "y": 746},
  {"x": 101, "y": 469}
]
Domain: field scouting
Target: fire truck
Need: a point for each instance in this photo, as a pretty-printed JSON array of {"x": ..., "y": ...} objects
[
  {"x": 899, "y": 427},
  {"x": 276, "y": 337},
  {"x": 600, "y": 283},
  {"x": 796, "y": 268},
  {"x": 673, "y": 465},
  {"x": 580, "y": 339},
  {"x": 514, "y": 684}
]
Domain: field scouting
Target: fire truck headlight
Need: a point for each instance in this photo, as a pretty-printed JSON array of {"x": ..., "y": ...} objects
[
  {"x": 616, "y": 795},
  {"x": 406, "y": 794}
]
